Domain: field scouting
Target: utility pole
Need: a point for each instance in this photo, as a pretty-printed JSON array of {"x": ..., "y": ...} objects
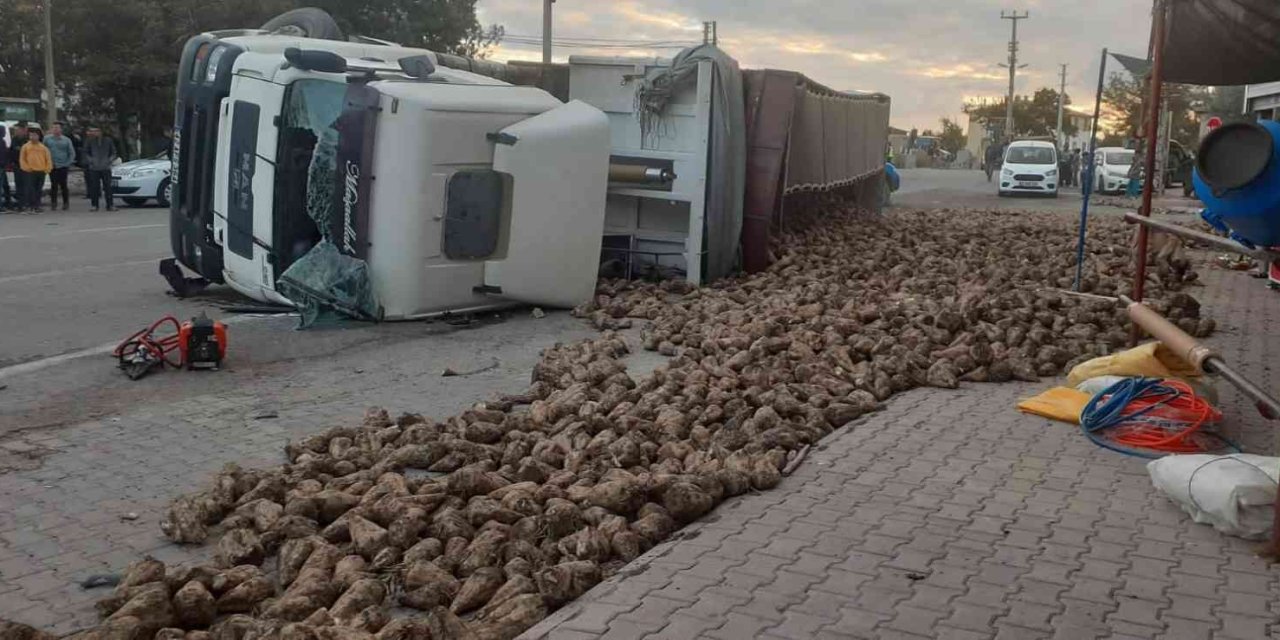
[
  {"x": 1014, "y": 17},
  {"x": 1062, "y": 92},
  {"x": 50, "y": 89},
  {"x": 715, "y": 33},
  {"x": 546, "y": 30}
]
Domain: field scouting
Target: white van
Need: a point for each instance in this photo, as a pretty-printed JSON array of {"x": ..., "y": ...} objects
[
  {"x": 1030, "y": 166},
  {"x": 1111, "y": 169}
]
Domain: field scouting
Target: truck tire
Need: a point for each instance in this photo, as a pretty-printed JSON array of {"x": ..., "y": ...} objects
[{"x": 307, "y": 22}]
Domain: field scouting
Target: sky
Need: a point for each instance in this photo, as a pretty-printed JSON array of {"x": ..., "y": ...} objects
[{"x": 930, "y": 56}]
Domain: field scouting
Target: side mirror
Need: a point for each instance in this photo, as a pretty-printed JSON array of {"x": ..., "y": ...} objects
[
  {"x": 316, "y": 60},
  {"x": 417, "y": 66}
]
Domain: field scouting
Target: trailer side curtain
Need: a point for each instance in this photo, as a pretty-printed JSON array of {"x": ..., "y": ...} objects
[{"x": 1222, "y": 42}]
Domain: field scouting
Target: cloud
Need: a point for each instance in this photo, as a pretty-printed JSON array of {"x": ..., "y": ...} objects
[{"x": 928, "y": 55}]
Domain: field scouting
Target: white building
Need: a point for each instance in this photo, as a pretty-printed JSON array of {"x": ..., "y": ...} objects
[
  {"x": 1082, "y": 120},
  {"x": 1263, "y": 100}
]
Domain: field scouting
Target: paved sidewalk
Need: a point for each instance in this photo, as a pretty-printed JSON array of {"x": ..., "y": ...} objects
[
  {"x": 951, "y": 515},
  {"x": 948, "y": 515}
]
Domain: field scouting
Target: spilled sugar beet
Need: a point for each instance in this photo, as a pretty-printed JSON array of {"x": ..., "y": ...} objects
[{"x": 534, "y": 498}]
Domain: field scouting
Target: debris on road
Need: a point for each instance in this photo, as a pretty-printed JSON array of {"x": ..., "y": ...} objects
[
  {"x": 449, "y": 372},
  {"x": 538, "y": 313},
  {"x": 550, "y": 491}
]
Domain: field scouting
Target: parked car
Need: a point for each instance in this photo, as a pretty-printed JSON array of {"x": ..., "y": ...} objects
[
  {"x": 138, "y": 181},
  {"x": 1030, "y": 166},
  {"x": 1111, "y": 169}
]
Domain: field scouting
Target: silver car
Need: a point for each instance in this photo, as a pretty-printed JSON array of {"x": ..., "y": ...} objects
[{"x": 138, "y": 181}]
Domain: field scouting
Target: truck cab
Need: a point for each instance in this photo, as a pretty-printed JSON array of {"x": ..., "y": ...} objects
[{"x": 441, "y": 189}]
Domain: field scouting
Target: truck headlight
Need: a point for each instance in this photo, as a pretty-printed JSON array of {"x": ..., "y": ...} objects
[
  {"x": 1052, "y": 173},
  {"x": 1006, "y": 172},
  {"x": 215, "y": 60}
]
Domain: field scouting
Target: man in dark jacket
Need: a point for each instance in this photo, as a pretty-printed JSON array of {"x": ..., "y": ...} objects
[
  {"x": 17, "y": 138},
  {"x": 6, "y": 196},
  {"x": 99, "y": 154}
]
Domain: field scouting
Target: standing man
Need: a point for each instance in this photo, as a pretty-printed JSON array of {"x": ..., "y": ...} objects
[
  {"x": 36, "y": 164},
  {"x": 63, "y": 153},
  {"x": 17, "y": 138},
  {"x": 99, "y": 153},
  {"x": 6, "y": 196}
]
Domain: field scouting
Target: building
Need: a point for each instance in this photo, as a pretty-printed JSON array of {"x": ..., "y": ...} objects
[
  {"x": 1262, "y": 101},
  {"x": 1082, "y": 120}
]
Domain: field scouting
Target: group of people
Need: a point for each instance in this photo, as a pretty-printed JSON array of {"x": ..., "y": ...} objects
[
  {"x": 1069, "y": 168},
  {"x": 35, "y": 158}
]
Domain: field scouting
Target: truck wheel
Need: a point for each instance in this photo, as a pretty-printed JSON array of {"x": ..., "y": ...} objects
[{"x": 306, "y": 22}]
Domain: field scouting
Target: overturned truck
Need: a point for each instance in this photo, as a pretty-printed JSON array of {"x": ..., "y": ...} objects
[{"x": 393, "y": 183}]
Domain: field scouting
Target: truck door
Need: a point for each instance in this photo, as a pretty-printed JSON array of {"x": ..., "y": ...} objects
[
  {"x": 559, "y": 167},
  {"x": 243, "y": 190}
]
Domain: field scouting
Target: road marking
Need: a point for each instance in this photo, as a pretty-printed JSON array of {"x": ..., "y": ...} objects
[
  {"x": 100, "y": 229},
  {"x": 63, "y": 272},
  {"x": 101, "y": 350},
  {"x": 97, "y": 230}
]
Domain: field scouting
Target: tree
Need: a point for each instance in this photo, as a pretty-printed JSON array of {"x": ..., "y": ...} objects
[
  {"x": 1125, "y": 96},
  {"x": 1036, "y": 115},
  {"x": 953, "y": 137},
  {"x": 117, "y": 59}
]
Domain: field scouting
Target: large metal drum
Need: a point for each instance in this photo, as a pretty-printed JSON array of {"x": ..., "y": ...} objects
[{"x": 1237, "y": 177}]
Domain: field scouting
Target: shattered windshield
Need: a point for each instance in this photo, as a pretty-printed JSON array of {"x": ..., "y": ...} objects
[{"x": 309, "y": 140}]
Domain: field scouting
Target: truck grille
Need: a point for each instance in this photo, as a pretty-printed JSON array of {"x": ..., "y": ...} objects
[{"x": 1026, "y": 177}]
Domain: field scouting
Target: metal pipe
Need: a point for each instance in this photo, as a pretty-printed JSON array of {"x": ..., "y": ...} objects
[
  {"x": 546, "y": 31},
  {"x": 1087, "y": 185},
  {"x": 1268, "y": 406},
  {"x": 1152, "y": 132},
  {"x": 1226, "y": 244},
  {"x": 640, "y": 174}
]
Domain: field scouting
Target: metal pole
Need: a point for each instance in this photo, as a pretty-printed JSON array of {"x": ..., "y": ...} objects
[
  {"x": 1062, "y": 92},
  {"x": 546, "y": 31},
  {"x": 1152, "y": 133},
  {"x": 1014, "y": 17},
  {"x": 50, "y": 89},
  {"x": 1087, "y": 164},
  {"x": 715, "y": 33}
]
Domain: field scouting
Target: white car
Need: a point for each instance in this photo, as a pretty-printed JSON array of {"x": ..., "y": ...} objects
[
  {"x": 1030, "y": 166},
  {"x": 138, "y": 181},
  {"x": 1111, "y": 169}
]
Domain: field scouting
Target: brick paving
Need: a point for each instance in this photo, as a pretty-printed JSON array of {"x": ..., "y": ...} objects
[{"x": 948, "y": 515}]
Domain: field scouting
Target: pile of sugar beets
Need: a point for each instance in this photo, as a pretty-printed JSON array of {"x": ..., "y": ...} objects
[{"x": 479, "y": 525}]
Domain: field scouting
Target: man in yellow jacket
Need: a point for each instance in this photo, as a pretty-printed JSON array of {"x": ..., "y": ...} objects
[{"x": 36, "y": 163}]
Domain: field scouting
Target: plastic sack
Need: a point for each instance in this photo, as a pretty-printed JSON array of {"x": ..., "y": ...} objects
[
  {"x": 1059, "y": 403},
  {"x": 1235, "y": 493},
  {"x": 1151, "y": 360}
]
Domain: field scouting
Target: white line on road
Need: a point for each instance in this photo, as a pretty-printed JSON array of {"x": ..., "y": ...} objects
[
  {"x": 96, "y": 230},
  {"x": 63, "y": 272},
  {"x": 100, "y": 229},
  {"x": 100, "y": 350}
]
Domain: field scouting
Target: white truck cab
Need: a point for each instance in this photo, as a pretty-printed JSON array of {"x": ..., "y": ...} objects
[{"x": 369, "y": 166}]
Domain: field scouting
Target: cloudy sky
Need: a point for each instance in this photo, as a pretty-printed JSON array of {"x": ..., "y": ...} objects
[{"x": 929, "y": 55}]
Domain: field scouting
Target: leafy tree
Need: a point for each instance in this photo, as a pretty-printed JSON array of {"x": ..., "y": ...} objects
[
  {"x": 1125, "y": 97},
  {"x": 117, "y": 59},
  {"x": 953, "y": 137},
  {"x": 1036, "y": 115}
]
